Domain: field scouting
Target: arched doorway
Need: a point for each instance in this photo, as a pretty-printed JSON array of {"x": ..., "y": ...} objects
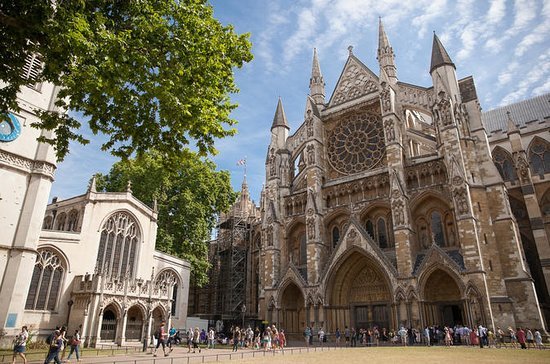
[
  {"x": 293, "y": 312},
  {"x": 158, "y": 317},
  {"x": 359, "y": 295},
  {"x": 443, "y": 300},
  {"x": 134, "y": 324},
  {"x": 109, "y": 323}
]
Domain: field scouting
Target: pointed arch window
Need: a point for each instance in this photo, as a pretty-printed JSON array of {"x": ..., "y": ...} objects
[
  {"x": 370, "y": 229},
  {"x": 48, "y": 223},
  {"x": 382, "y": 233},
  {"x": 46, "y": 281},
  {"x": 505, "y": 165},
  {"x": 303, "y": 250},
  {"x": 118, "y": 246},
  {"x": 60, "y": 221},
  {"x": 72, "y": 222},
  {"x": 167, "y": 280},
  {"x": 438, "y": 234},
  {"x": 335, "y": 236},
  {"x": 539, "y": 157}
]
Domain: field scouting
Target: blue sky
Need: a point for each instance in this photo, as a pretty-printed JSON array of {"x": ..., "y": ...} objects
[{"x": 504, "y": 44}]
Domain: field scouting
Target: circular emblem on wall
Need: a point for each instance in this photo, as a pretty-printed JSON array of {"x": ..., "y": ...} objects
[
  {"x": 356, "y": 144},
  {"x": 10, "y": 128}
]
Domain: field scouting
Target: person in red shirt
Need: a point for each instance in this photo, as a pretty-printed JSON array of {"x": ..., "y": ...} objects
[{"x": 521, "y": 338}]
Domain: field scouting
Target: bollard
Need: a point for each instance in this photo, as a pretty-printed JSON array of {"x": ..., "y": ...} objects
[{"x": 144, "y": 349}]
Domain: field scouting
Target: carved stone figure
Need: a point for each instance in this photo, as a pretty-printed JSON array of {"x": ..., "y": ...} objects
[
  {"x": 272, "y": 166},
  {"x": 309, "y": 124},
  {"x": 390, "y": 131},
  {"x": 385, "y": 98},
  {"x": 461, "y": 200},
  {"x": 310, "y": 154},
  {"x": 442, "y": 110},
  {"x": 310, "y": 227}
]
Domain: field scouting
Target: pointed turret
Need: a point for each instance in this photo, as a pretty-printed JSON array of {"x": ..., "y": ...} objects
[
  {"x": 440, "y": 57},
  {"x": 443, "y": 72},
  {"x": 316, "y": 82},
  {"x": 280, "y": 118},
  {"x": 385, "y": 54}
]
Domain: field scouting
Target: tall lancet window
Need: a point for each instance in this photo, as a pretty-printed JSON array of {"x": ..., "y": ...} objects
[
  {"x": 46, "y": 281},
  {"x": 118, "y": 246}
]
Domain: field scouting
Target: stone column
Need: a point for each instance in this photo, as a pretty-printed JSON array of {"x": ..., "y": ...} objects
[
  {"x": 122, "y": 339},
  {"x": 98, "y": 329},
  {"x": 150, "y": 327}
]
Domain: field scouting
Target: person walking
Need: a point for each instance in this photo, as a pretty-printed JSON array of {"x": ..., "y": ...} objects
[
  {"x": 521, "y": 337},
  {"x": 211, "y": 338},
  {"x": 171, "y": 337},
  {"x": 337, "y": 335},
  {"x": 307, "y": 334},
  {"x": 56, "y": 346},
  {"x": 75, "y": 346},
  {"x": 530, "y": 338},
  {"x": 20, "y": 344},
  {"x": 538, "y": 339},
  {"x": 196, "y": 339},
  {"x": 236, "y": 338},
  {"x": 321, "y": 334},
  {"x": 161, "y": 337}
]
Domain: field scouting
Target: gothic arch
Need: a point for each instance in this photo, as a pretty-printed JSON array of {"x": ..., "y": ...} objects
[
  {"x": 505, "y": 164},
  {"x": 111, "y": 302},
  {"x": 427, "y": 273},
  {"x": 539, "y": 156},
  {"x": 119, "y": 244},
  {"x": 124, "y": 210},
  {"x": 59, "y": 252},
  {"x": 284, "y": 285},
  {"x": 169, "y": 271},
  {"x": 433, "y": 221},
  {"x": 48, "y": 278},
  {"x": 349, "y": 265},
  {"x": 399, "y": 295}
]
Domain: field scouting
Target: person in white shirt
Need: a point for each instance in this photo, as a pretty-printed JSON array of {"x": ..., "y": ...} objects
[
  {"x": 20, "y": 344},
  {"x": 211, "y": 338}
]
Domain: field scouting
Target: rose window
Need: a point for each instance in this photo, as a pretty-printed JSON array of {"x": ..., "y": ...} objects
[{"x": 356, "y": 144}]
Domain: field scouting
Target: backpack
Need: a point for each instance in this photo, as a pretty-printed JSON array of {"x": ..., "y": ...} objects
[
  {"x": 49, "y": 339},
  {"x": 157, "y": 334}
]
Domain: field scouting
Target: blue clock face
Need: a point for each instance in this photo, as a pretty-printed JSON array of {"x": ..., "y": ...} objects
[{"x": 10, "y": 128}]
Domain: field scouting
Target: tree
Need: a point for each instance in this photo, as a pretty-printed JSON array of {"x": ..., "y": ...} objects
[
  {"x": 189, "y": 194},
  {"x": 148, "y": 74}
]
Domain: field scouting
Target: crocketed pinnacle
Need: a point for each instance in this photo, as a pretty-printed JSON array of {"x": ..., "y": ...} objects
[
  {"x": 440, "y": 56},
  {"x": 280, "y": 118}
]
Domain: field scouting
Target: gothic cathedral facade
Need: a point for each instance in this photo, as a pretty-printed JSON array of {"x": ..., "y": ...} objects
[{"x": 385, "y": 208}]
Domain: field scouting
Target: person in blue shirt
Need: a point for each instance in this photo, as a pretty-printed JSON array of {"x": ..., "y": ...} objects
[{"x": 55, "y": 348}]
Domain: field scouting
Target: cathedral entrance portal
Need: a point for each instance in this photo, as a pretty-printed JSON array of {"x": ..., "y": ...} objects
[
  {"x": 134, "y": 325},
  {"x": 293, "y": 318},
  {"x": 109, "y": 324},
  {"x": 443, "y": 302},
  {"x": 360, "y": 295}
]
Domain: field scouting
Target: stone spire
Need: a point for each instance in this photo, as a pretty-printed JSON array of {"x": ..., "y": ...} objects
[
  {"x": 316, "y": 82},
  {"x": 440, "y": 56},
  {"x": 280, "y": 118},
  {"x": 385, "y": 54}
]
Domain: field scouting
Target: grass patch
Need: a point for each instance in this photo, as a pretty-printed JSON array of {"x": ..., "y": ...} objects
[{"x": 411, "y": 355}]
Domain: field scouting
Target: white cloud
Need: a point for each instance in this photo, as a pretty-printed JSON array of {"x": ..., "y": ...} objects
[
  {"x": 506, "y": 76},
  {"x": 497, "y": 11}
]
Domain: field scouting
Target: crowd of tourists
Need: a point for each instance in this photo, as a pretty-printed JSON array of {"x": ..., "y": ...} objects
[
  {"x": 58, "y": 344},
  {"x": 272, "y": 338},
  {"x": 481, "y": 336}
]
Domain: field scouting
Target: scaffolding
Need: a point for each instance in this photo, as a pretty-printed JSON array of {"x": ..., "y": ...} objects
[{"x": 232, "y": 251}]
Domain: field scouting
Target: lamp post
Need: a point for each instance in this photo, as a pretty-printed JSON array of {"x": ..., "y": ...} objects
[{"x": 243, "y": 310}]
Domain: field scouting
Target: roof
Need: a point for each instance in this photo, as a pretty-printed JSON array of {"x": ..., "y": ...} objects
[{"x": 522, "y": 113}]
